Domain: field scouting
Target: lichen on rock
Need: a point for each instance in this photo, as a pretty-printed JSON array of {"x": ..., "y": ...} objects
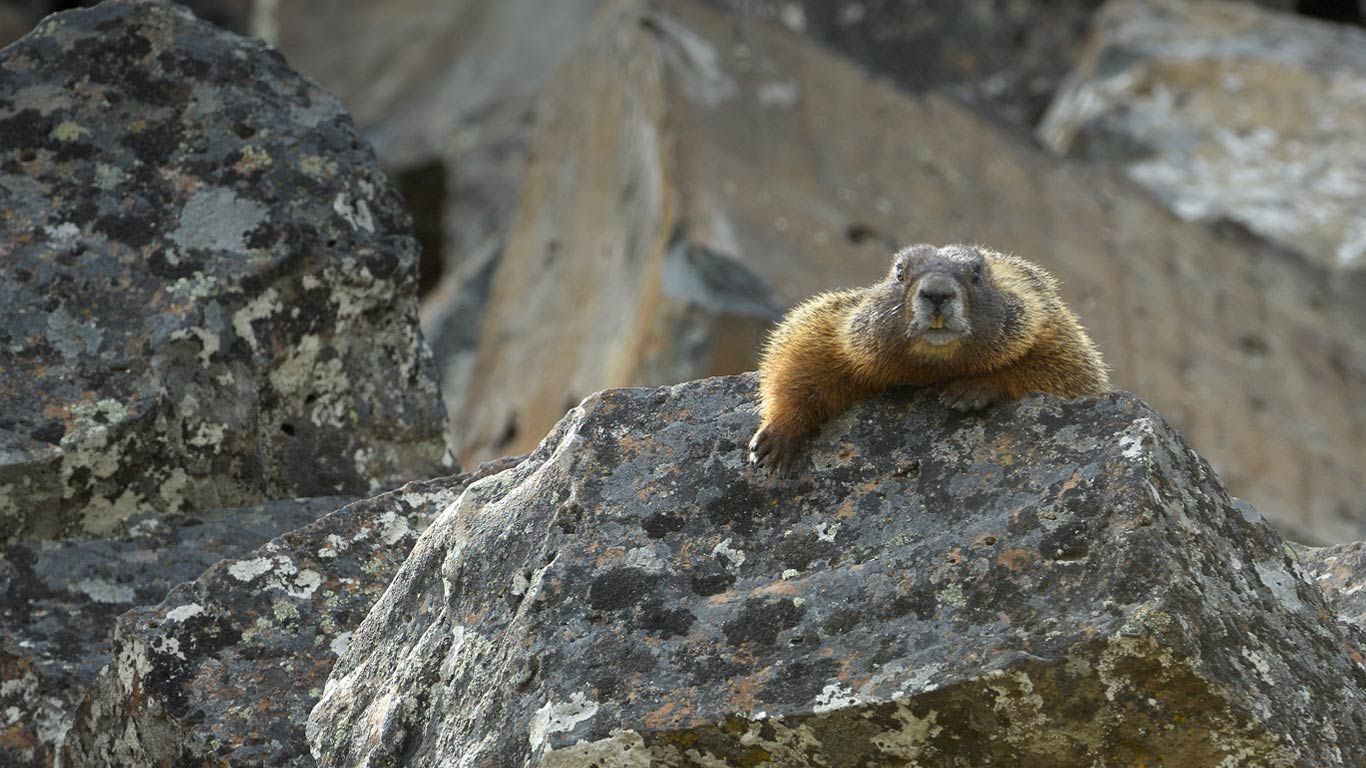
[
  {"x": 208, "y": 291},
  {"x": 1048, "y": 583}
]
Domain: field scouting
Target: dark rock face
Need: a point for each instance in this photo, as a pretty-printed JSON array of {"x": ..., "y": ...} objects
[
  {"x": 59, "y": 600},
  {"x": 228, "y": 666},
  {"x": 1044, "y": 584},
  {"x": 207, "y": 295}
]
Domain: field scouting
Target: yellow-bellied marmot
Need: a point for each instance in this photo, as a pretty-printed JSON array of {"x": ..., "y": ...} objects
[{"x": 982, "y": 325}]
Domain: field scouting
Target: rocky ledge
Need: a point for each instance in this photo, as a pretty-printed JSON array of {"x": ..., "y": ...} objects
[{"x": 1049, "y": 583}]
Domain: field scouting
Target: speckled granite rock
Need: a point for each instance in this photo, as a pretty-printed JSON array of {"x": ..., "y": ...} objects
[
  {"x": 206, "y": 298},
  {"x": 59, "y": 600},
  {"x": 1340, "y": 571},
  {"x": 1226, "y": 110},
  {"x": 226, "y": 668},
  {"x": 1051, "y": 583}
]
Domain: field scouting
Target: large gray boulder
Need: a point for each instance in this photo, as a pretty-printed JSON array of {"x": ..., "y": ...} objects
[
  {"x": 207, "y": 296},
  {"x": 226, "y": 668},
  {"x": 1048, "y": 583},
  {"x": 59, "y": 601},
  {"x": 1227, "y": 110}
]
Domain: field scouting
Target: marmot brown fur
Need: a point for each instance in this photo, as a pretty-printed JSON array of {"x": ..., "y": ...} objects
[{"x": 981, "y": 325}]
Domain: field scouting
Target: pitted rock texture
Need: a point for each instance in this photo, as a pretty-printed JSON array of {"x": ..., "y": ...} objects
[
  {"x": 59, "y": 600},
  {"x": 1340, "y": 571},
  {"x": 1050, "y": 583},
  {"x": 227, "y": 667},
  {"x": 207, "y": 295},
  {"x": 1226, "y": 110}
]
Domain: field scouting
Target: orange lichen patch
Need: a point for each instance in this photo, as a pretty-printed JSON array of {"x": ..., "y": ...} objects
[
  {"x": 846, "y": 510},
  {"x": 668, "y": 716},
  {"x": 745, "y": 695},
  {"x": 1015, "y": 558},
  {"x": 780, "y": 588},
  {"x": 609, "y": 556}
]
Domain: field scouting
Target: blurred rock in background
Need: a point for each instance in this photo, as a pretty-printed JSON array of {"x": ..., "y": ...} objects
[{"x": 1226, "y": 110}]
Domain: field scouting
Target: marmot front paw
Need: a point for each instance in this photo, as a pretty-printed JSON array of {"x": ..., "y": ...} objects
[
  {"x": 772, "y": 450},
  {"x": 969, "y": 395}
]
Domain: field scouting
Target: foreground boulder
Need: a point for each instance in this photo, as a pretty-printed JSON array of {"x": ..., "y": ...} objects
[
  {"x": 1049, "y": 583},
  {"x": 59, "y": 600},
  {"x": 655, "y": 239},
  {"x": 207, "y": 296},
  {"x": 1227, "y": 110},
  {"x": 228, "y": 666}
]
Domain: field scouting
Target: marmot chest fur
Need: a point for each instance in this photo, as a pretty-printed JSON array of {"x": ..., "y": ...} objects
[{"x": 979, "y": 325}]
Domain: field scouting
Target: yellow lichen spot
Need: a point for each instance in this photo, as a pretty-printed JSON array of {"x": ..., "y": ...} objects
[
  {"x": 68, "y": 131},
  {"x": 253, "y": 158}
]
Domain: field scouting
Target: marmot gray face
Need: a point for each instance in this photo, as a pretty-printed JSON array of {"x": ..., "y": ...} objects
[{"x": 941, "y": 286}]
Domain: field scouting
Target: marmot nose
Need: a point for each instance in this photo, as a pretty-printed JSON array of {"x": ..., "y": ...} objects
[{"x": 938, "y": 289}]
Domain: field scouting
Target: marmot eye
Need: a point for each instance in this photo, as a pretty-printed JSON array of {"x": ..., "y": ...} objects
[
  {"x": 900, "y": 273},
  {"x": 976, "y": 275}
]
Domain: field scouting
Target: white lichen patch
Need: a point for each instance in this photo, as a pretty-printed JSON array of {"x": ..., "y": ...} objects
[
  {"x": 652, "y": 558},
  {"x": 183, "y": 612},
  {"x": 163, "y": 645},
  {"x": 354, "y": 211},
  {"x": 340, "y": 643},
  {"x": 250, "y": 570},
  {"x": 921, "y": 680},
  {"x": 623, "y": 749},
  {"x": 305, "y": 584},
  {"x": 734, "y": 557},
  {"x": 559, "y": 717},
  {"x": 393, "y": 527},
  {"x": 1133, "y": 441},
  {"x": 106, "y": 592},
  {"x": 305, "y": 371},
  {"x": 65, "y": 232},
  {"x": 259, "y": 308},
  {"x": 834, "y": 696},
  {"x": 215, "y": 218}
]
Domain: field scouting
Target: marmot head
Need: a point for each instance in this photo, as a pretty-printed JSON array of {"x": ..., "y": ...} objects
[{"x": 950, "y": 295}]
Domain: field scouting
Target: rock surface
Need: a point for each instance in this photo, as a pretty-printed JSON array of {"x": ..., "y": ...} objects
[
  {"x": 1340, "y": 571},
  {"x": 1009, "y": 56},
  {"x": 1044, "y": 584},
  {"x": 225, "y": 669},
  {"x": 737, "y": 142},
  {"x": 449, "y": 119},
  {"x": 207, "y": 298},
  {"x": 1225, "y": 110},
  {"x": 59, "y": 600}
]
